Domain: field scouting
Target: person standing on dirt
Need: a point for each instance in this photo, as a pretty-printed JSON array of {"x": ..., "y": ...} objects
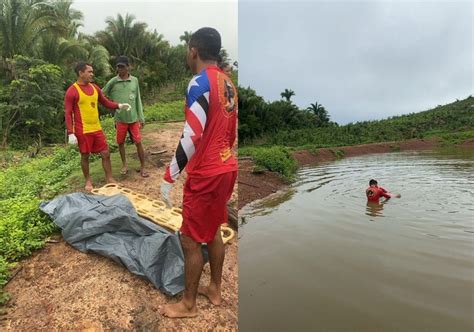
[
  {"x": 82, "y": 120},
  {"x": 374, "y": 192},
  {"x": 125, "y": 89},
  {"x": 205, "y": 150}
]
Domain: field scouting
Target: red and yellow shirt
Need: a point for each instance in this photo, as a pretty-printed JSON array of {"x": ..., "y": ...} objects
[{"x": 81, "y": 108}]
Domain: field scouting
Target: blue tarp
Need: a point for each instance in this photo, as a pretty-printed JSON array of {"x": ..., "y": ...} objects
[{"x": 110, "y": 226}]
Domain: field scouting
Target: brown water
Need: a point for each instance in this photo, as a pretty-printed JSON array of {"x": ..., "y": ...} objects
[{"x": 325, "y": 261}]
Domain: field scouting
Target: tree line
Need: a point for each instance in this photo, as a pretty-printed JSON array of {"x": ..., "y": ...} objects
[
  {"x": 283, "y": 123},
  {"x": 39, "y": 44},
  {"x": 259, "y": 119}
]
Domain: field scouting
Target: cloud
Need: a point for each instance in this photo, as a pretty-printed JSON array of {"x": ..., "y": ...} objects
[
  {"x": 361, "y": 60},
  {"x": 170, "y": 18}
]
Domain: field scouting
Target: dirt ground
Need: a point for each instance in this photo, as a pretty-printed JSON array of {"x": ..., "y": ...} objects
[
  {"x": 60, "y": 288},
  {"x": 257, "y": 186}
]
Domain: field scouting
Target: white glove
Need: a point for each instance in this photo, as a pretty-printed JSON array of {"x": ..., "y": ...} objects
[
  {"x": 165, "y": 193},
  {"x": 72, "y": 139},
  {"x": 124, "y": 107}
]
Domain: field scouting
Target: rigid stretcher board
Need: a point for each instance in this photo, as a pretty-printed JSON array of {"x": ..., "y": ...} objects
[{"x": 154, "y": 210}]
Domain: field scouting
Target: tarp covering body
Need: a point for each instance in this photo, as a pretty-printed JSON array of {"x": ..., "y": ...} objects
[{"x": 110, "y": 226}]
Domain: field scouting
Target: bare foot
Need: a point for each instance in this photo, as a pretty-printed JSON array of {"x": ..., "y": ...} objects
[
  {"x": 124, "y": 170},
  {"x": 110, "y": 180},
  {"x": 88, "y": 186},
  {"x": 177, "y": 310},
  {"x": 211, "y": 293},
  {"x": 143, "y": 173}
]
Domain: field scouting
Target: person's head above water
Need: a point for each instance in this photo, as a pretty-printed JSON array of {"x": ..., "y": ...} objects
[
  {"x": 373, "y": 182},
  {"x": 204, "y": 47}
]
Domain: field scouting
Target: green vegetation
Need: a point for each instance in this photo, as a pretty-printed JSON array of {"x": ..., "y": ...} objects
[
  {"x": 172, "y": 111},
  {"x": 276, "y": 158},
  {"x": 264, "y": 125},
  {"x": 282, "y": 123},
  {"x": 23, "y": 228},
  {"x": 39, "y": 46}
]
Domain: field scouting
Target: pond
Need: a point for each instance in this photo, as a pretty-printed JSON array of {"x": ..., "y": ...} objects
[{"x": 322, "y": 259}]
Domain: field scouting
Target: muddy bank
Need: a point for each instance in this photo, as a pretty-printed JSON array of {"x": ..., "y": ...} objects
[
  {"x": 256, "y": 186},
  {"x": 60, "y": 288}
]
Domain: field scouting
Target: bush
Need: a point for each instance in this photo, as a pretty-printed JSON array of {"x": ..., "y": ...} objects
[
  {"x": 276, "y": 159},
  {"x": 23, "y": 227}
]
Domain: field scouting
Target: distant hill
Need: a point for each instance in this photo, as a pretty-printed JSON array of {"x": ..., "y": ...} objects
[{"x": 451, "y": 120}]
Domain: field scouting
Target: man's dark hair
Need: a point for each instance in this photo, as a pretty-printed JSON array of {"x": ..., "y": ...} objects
[
  {"x": 207, "y": 41},
  {"x": 223, "y": 65},
  {"x": 81, "y": 66},
  {"x": 372, "y": 182}
]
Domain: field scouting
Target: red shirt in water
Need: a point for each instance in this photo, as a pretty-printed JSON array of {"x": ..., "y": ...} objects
[{"x": 374, "y": 193}]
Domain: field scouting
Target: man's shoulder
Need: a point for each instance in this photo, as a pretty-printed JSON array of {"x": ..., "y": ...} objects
[
  {"x": 112, "y": 80},
  {"x": 96, "y": 86},
  {"x": 198, "y": 85},
  {"x": 71, "y": 89}
]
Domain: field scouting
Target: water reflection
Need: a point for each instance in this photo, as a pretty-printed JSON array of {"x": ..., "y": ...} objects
[{"x": 374, "y": 209}]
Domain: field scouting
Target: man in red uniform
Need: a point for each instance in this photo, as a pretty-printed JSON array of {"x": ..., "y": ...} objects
[
  {"x": 82, "y": 120},
  {"x": 374, "y": 192},
  {"x": 205, "y": 150}
]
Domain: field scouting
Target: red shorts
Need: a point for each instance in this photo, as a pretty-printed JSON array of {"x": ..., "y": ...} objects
[
  {"x": 205, "y": 205},
  {"x": 132, "y": 128},
  {"x": 92, "y": 142}
]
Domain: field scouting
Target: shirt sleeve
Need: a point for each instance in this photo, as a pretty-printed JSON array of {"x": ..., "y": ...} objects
[
  {"x": 104, "y": 101},
  {"x": 69, "y": 100},
  {"x": 384, "y": 193},
  {"x": 141, "y": 116},
  {"x": 196, "y": 110}
]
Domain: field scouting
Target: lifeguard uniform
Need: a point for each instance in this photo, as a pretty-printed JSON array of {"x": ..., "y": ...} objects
[
  {"x": 374, "y": 193},
  {"x": 82, "y": 116},
  {"x": 205, "y": 151}
]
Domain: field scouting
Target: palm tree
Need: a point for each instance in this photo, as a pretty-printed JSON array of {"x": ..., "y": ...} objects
[
  {"x": 121, "y": 35},
  {"x": 322, "y": 116},
  {"x": 186, "y": 37},
  {"x": 21, "y": 24},
  {"x": 68, "y": 20},
  {"x": 287, "y": 94},
  {"x": 61, "y": 45}
]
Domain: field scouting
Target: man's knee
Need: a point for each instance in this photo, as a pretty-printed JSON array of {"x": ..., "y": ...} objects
[
  {"x": 217, "y": 238},
  {"x": 188, "y": 243},
  {"x": 105, "y": 154},
  {"x": 85, "y": 156}
]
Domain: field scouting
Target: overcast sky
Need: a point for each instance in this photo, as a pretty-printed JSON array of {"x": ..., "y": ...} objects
[
  {"x": 361, "y": 60},
  {"x": 170, "y": 18}
]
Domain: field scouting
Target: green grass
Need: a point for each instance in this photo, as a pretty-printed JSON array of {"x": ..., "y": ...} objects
[
  {"x": 456, "y": 137},
  {"x": 96, "y": 171},
  {"x": 276, "y": 159},
  {"x": 171, "y": 111},
  {"x": 23, "y": 185}
]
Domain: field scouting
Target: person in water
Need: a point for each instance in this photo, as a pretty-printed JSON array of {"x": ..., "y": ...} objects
[{"x": 374, "y": 192}]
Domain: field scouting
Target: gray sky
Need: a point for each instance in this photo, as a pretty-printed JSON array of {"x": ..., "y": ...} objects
[
  {"x": 360, "y": 60},
  {"x": 170, "y": 18}
]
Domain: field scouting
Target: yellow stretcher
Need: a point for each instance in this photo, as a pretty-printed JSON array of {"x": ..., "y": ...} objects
[{"x": 155, "y": 210}]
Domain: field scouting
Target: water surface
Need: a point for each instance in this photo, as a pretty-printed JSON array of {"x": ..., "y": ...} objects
[{"x": 323, "y": 260}]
